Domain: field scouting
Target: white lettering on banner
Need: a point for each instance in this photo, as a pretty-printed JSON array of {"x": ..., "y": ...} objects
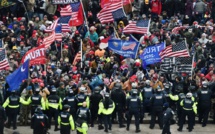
[
  {"x": 64, "y": 1},
  {"x": 35, "y": 54},
  {"x": 152, "y": 49}
]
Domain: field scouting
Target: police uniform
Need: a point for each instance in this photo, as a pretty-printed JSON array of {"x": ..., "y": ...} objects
[
  {"x": 54, "y": 103},
  {"x": 178, "y": 98},
  {"x": 81, "y": 97},
  {"x": 72, "y": 102},
  {"x": 3, "y": 118},
  {"x": 119, "y": 98},
  {"x": 157, "y": 101},
  {"x": 147, "y": 92},
  {"x": 39, "y": 122},
  {"x": 133, "y": 104},
  {"x": 168, "y": 115},
  {"x": 95, "y": 98},
  {"x": 204, "y": 103},
  {"x": 86, "y": 111},
  {"x": 189, "y": 106},
  {"x": 81, "y": 124},
  {"x": 65, "y": 120},
  {"x": 13, "y": 104},
  {"x": 36, "y": 100},
  {"x": 106, "y": 108}
]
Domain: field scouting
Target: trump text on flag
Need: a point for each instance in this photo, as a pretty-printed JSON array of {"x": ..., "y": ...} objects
[
  {"x": 64, "y": 1},
  {"x": 35, "y": 54},
  {"x": 151, "y": 54}
]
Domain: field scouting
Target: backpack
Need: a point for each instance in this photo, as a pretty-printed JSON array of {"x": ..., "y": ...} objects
[{"x": 96, "y": 81}]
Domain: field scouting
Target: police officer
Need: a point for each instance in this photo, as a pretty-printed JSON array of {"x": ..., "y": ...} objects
[
  {"x": 81, "y": 124},
  {"x": 168, "y": 116},
  {"x": 147, "y": 93},
  {"x": 204, "y": 103},
  {"x": 95, "y": 98},
  {"x": 13, "y": 103},
  {"x": 189, "y": 106},
  {"x": 84, "y": 110},
  {"x": 157, "y": 101},
  {"x": 119, "y": 98},
  {"x": 3, "y": 118},
  {"x": 167, "y": 91},
  {"x": 179, "y": 97},
  {"x": 82, "y": 97},
  {"x": 133, "y": 104},
  {"x": 106, "y": 108},
  {"x": 72, "y": 102},
  {"x": 65, "y": 120},
  {"x": 36, "y": 100},
  {"x": 39, "y": 122},
  {"x": 54, "y": 103}
]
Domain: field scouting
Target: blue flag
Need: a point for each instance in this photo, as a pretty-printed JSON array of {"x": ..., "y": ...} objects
[
  {"x": 15, "y": 79},
  {"x": 124, "y": 48},
  {"x": 151, "y": 54}
]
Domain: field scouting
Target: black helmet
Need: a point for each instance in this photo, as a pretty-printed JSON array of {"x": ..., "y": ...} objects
[
  {"x": 66, "y": 107},
  {"x": 118, "y": 85},
  {"x": 53, "y": 90},
  {"x": 179, "y": 89},
  {"x": 37, "y": 90},
  {"x": 134, "y": 92},
  {"x": 167, "y": 86},
  {"x": 192, "y": 88},
  {"x": 13, "y": 91},
  {"x": 70, "y": 92},
  {"x": 107, "y": 95},
  {"x": 38, "y": 110},
  {"x": 97, "y": 89}
]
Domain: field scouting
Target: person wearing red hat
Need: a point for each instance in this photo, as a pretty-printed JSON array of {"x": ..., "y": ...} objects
[
  {"x": 155, "y": 82},
  {"x": 43, "y": 90}
]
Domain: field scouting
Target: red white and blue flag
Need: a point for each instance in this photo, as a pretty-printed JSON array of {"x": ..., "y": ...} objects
[
  {"x": 51, "y": 28},
  {"x": 110, "y": 12},
  {"x": 3, "y": 59},
  {"x": 77, "y": 18},
  {"x": 63, "y": 21},
  {"x": 138, "y": 27},
  {"x": 66, "y": 11}
]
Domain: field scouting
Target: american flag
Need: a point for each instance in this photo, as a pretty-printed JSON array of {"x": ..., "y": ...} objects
[
  {"x": 64, "y": 20},
  {"x": 75, "y": 8},
  {"x": 49, "y": 39},
  {"x": 166, "y": 65},
  {"x": 175, "y": 30},
  {"x": 51, "y": 28},
  {"x": 3, "y": 59},
  {"x": 105, "y": 15},
  {"x": 58, "y": 33},
  {"x": 178, "y": 50},
  {"x": 130, "y": 46},
  {"x": 66, "y": 11},
  {"x": 118, "y": 14},
  {"x": 139, "y": 27},
  {"x": 184, "y": 64}
]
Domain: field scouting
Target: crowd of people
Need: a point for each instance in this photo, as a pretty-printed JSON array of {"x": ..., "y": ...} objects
[{"x": 103, "y": 84}]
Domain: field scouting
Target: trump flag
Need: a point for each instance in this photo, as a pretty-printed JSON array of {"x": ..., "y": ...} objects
[
  {"x": 151, "y": 54},
  {"x": 124, "y": 48}
]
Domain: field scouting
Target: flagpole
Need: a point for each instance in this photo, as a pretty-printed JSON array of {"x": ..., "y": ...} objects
[
  {"x": 81, "y": 54},
  {"x": 61, "y": 51},
  {"x": 192, "y": 66},
  {"x": 148, "y": 26},
  {"x": 24, "y": 8},
  {"x": 84, "y": 15}
]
